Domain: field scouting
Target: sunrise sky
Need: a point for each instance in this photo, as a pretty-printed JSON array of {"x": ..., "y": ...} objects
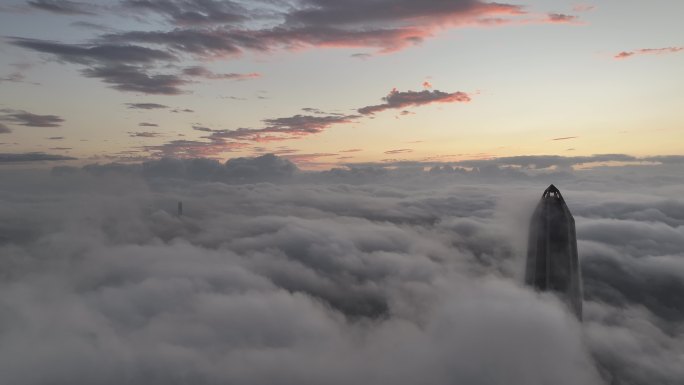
[{"x": 326, "y": 83}]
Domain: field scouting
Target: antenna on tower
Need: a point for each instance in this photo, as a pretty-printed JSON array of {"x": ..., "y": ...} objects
[{"x": 180, "y": 208}]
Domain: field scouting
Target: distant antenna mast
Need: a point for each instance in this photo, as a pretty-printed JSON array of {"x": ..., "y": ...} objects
[{"x": 180, "y": 208}]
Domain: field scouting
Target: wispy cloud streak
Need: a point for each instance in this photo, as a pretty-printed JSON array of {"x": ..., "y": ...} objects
[{"x": 647, "y": 51}]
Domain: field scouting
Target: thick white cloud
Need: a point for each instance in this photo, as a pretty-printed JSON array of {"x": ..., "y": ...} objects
[{"x": 364, "y": 276}]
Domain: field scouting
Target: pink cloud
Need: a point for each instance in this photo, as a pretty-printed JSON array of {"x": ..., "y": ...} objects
[
  {"x": 559, "y": 18},
  {"x": 387, "y": 25},
  {"x": 583, "y": 8},
  {"x": 402, "y": 99},
  {"x": 647, "y": 51},
  {"x": 297, "y": 126}
]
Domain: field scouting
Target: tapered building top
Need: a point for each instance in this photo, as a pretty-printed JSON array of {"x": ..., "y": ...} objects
[
  {"x": 552, "y": 190},
  {"x": 552, "y": 261}
]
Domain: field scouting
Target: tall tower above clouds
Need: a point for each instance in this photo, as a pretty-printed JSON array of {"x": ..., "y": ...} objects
[{"x": 552, "y": 262}]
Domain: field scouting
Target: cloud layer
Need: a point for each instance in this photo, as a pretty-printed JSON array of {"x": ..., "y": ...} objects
[{"x": 359, "y": 275}]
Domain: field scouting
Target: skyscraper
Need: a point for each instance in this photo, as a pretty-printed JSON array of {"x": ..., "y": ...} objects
[{"x": 552, "y": 262}]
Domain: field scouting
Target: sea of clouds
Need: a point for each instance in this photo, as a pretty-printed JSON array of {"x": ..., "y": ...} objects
[{"x": 350, "y": 276}]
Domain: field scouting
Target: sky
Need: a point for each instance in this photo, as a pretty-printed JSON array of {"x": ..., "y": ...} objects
[
  {"x": 357, "y": 180},
  {"x": 331, "y": 83}
]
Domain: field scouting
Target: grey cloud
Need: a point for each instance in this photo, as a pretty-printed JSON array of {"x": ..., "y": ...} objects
[
  {"x": 125, "y": 67},
  {"x": 4, "y": 129},
  {"x": 130, "y": 67},
  {"x": 94, "y": 53},
  {"x": 387, "y": 25},
  {"x": 361, "y": 55},
  {"x": 192, "y": 12},
  {"x": 146, "y": 106},
  {"x": 402, "y": 99},
  {"x": 132, "y": 78},
  {"x": 31, "y": 157},
  {"x": 205, "y": 29},
  {"x": 322, "y": 12},
  {"x": 635, "y": 171},
  {"x": 277, "y": 129},
  {"x": 265, "y": 167},
  {"x": 648, "y": 51},
  {"x": 561, "y": 18},
  {"x": 546, "y": 161},
  {"x": 317, "y": 111},
  {"x": 15, "y": 77},
  {"x": 306, "y": 123},
  {"x": 222, "y": 42},
  {"x": 196, "y": 41},
  {"x": 625, "y": 280},
  {"x": 28, "y": 119},
  {"x": 670, "y": 213},
  {"x": 316, "y": 159},
  {"x": 666, "y": 159},
  {"x": 399, "y": 151},
  {"x": 144, "y": 134},
  {"x": 99, "y": 170},
  {"x": 194, "y": 148},
  {"x": 202, "y": 72},
  {"x": 64, "y": 7},
  {"x": 91, "y": 26},
  {"x": 312, "y": 110},
  {"x": 634, "y": 236}
]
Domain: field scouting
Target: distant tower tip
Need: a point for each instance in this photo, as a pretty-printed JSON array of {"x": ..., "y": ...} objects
[{"x": 180, "y": 208}]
